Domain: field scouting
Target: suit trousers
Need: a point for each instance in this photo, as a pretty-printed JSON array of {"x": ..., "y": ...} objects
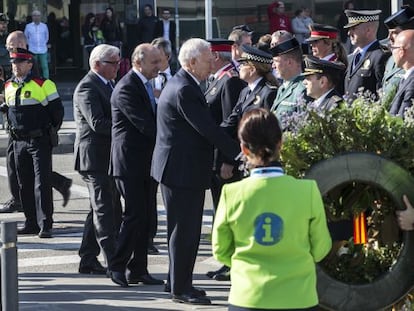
[
  {"x": 133, "y": 234},
  {"x": 35, "y": 189},
  {"x": 153, "y": 215},
  {"x": 102, "y": 222},
  {"x": 184, "y": 218},
  {"x": 58, "y": 181}
]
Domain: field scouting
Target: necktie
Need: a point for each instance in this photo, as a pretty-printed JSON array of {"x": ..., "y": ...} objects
[
  {"x": 357, "y": 58},
  {"x": 150, "y": 92},
  {"x": 163, "y": 79},
  {"x": 109, "y": 86}
]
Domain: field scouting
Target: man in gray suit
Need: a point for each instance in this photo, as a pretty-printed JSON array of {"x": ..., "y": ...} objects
[
  {"x": 92, "y": 111},
  {"x": 403, "y": 53}
]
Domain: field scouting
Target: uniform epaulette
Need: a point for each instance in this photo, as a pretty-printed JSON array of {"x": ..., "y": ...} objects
[
  {"x": 273, "y": 87},
  {"x": 39, "y": 81},
  {"x": 230, "y": 73}
]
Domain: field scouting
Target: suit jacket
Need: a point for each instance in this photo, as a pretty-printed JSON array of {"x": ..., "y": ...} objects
[
  {"x": 404, "y": 96},
  {"x": 92, "y": 110},
  {"x": 368, "y": 73},
  {"x": 331, "y": 101},
  {"x": 186, "y": 136},
  {"x": 289, "y": 96},
  {"x": 262, "y": 96},
  {"x": 223, "y": 92},
  {"x": 392, "y": 76},
  {"x": 159, "y": 31},
  {"x": 133, "y": 128}
]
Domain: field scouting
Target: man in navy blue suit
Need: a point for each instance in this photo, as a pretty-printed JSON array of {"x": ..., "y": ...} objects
[
  {"x": 133, "y": 139},
  {"x": 182, "y": 163}
]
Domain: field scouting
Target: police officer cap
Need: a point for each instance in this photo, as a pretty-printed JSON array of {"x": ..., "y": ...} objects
[
  {"x": 3, "y": 18},
  {"x": 20, "y": 54},
  {"x": 314, "y": 65},
  {"x": 319, "y": 31},
  {"x": 285, "y": 47},
  {"x": 253, "y": 54},
  {"x": 362, "y": 16},
  {"x": 400, "y": 18},
  {"x": 220, "y": 45},
  {"x": 243, "y": 27}
]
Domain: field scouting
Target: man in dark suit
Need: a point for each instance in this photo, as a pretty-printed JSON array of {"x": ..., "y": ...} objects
[
  {"x": 92, "y": 109},
  {"x": 182, "y": 162},
  {"x": 367, "y": 63},
  {"x": 146, "y": 25},
  {"x": 403, "y": 53},
  {"x": 133, "y": 139},
  {"x": 321, "y": 80},
  {"x": 166, "y": 28}
]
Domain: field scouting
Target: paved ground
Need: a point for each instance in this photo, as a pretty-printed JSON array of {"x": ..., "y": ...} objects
[{"x": 48, "y": 278}]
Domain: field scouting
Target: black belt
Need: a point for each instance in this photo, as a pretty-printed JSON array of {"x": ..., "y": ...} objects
[{"x": 22, "y": 135}]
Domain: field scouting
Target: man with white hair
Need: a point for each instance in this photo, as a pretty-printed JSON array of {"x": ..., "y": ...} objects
[
  {"x": 92, "y": 148},
  {"x": 182, "y": 162},
  {"x": 37, "y": 35}
]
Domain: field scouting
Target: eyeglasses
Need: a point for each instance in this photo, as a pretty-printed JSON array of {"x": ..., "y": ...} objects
[
  {"x": 393, "y": 47},
  {"x": 111, "y": 62}
]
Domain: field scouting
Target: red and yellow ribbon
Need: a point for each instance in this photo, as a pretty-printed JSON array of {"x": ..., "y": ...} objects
[{"x": 360, "y": 229}]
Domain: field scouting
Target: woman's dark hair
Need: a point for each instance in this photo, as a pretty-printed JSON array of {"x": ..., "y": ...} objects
[
  {"x": 298, "y": 12},
  {"x": 260, "y": 132},
  {"x": 88, "y": 18}
]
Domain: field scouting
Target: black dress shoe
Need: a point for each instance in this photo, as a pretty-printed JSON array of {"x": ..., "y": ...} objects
[
  {"x": 28, "y": 230},
  {"x": 11, "y": 206},
  {"x": 146, "y": 279},
  {"x": 212, "y": 274},
  {"x": 223, "y": 275},
  {"x": 45, "y": 234},
  {"x": 195, "y": 291},
  {"x": 119, "y": 278},
  {"x": 65, "y": 191},
  {"x": 92, "y": 268},
  {"x": 152, "y": 250},
  {"x": 191, "y": 299}
]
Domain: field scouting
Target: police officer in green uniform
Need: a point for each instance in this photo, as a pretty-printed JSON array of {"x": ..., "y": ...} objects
[
  {"x": 35, "y": 112},
  {"x": 321, "y": 80},
  {"x": 399, "y": 21},
  {"x": 287, "y": 60}
]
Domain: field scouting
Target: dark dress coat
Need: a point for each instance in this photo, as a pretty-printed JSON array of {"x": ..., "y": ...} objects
[
  {"x": 403, "y": 99},
  {"x": 159, "y": 31},
  {"x": 368, "y": 73}
]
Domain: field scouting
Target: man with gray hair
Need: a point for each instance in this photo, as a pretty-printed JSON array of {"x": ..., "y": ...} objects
[
  {"x": 182, "y": 161},
  {"x": 92, "y": 111},
  {"x": 239, "y": 37},
  {"x": 133, "y": 137}
]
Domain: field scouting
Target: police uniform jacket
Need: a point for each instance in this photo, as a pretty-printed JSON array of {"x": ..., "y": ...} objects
[
  {"x": 92, "y": 109},
  {"x": 331, "y": 100},
  {"x": 262, "y": 96},
  {"x": 289, "y": 96},
  {"x": 34, "y": 106},
  {"x": 392, "y": 77},
  {"x": 186, "y": 134},
  {"x": 404, "y": 96},
  {"x": 368, "y": 73},
  {"x": 263, "y": 222},
  {"x": 223, "y": 92}
]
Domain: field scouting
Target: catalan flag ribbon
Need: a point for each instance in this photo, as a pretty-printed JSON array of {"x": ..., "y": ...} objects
[{"x": 360, "y": 229}]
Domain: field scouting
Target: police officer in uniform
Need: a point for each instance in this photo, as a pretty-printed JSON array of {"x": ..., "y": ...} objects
[
  {"x": 221, "y": 95},
  {"x": 367, "y": 64},
  {"x": 399, "y": 21},
  {"x": 34, "y": 111},
  {"x": 321, "y": 80}
]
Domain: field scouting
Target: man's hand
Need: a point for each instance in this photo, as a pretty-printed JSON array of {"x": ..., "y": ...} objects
[
  {"x": 226, "y": 171},
  {"x": 406, "y": 217}
]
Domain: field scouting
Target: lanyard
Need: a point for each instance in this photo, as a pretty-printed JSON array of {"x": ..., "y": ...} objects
[{"x": 272, "y": 171}]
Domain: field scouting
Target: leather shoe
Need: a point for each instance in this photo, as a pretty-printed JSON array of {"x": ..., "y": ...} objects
[
  {"x": 212, "y": 274},
  {"x": 11, "y": 206},
  {"x": 191, "y": 299},
  {"x": 119, "y": 278},
  {"x": 65, "y": 191},
  {"x": 223, "y": 275},
  {"x": 152, "y": 250},
  {"x": 146, "y": 279},
  {"x": 28, "y": 230},
  {"x": 92, "y": 268},
  {"x": 45, "y": 234},
  {"x": 195, "y": 291}
]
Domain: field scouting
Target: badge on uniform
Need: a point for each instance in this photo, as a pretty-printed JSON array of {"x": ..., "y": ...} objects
[
  {"x": 27, "y": 94},
  {"x": 213, "y": 91},
  {"x": 366, "y": 64},
  {"x": 256, "y": 100}
]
